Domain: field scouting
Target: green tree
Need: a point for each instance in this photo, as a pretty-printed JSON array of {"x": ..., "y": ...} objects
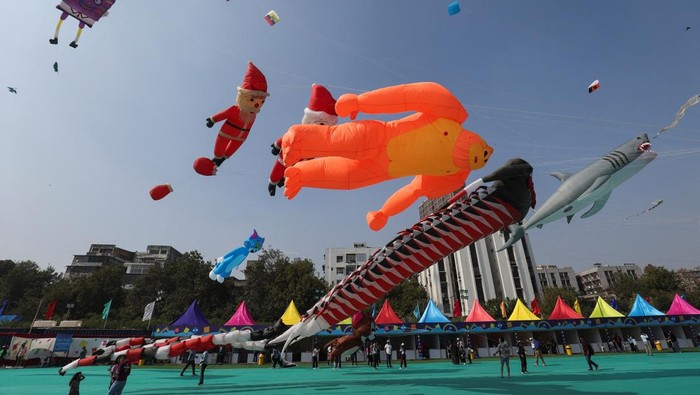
[
  {"x": 273, "y": 280},
  {"x": 23, "y": 284},
  {"x": 625, "y": 288},
  {"x": 404, "y": 297},
  {"x": 493, "y": 307},
  {"x": 660, "y": 285}
]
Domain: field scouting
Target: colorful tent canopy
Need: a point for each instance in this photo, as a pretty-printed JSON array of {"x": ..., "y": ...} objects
[
  {"x": 193, "y": 316},
  {"x": 478, "y": 314},
  {"x": 240, "y": 317},
  {"x": 562, "y": 311},
  {"x": 522, "y": 313},
  {"x": 681, "y": 307},
  {"x": 642, "y": 308},
  {"x": 291, "y": 316},
  {"x": 604, "y": 310},
  {"x": 432, "y": 314},
  {"x": 387, "y": 315}
]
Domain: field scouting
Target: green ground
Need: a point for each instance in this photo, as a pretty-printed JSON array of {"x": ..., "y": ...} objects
[{"x": 664, "y": 373}]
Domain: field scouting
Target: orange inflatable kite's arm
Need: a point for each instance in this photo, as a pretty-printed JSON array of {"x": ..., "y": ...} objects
[
  {"x": 422, "y": 185},
  {"x": 424, "y": 97}
]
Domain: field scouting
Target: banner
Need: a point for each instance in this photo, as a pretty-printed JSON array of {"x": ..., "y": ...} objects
[
  {"x": 504, "y": 312},
  {"x": 63, "y": 342},
  {"x": 105, "y": 311},
  {"x": 148, "y": 311},
  {"x": 3, "y": 306},
  {"x": 577, "y": 307},
  {"x": 49, "y": 310}
]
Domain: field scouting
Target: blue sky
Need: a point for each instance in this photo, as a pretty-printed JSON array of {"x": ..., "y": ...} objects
[{"x": 79, "y": 149}]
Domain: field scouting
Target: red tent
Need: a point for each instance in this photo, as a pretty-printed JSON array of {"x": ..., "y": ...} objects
[
  {"x": 562, "y": 311},
  {"x": 387, "y": 315},
  {"x": 478, "y": 314}
]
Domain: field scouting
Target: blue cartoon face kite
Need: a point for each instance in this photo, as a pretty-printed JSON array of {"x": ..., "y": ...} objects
[{"x": 228, "y": 262}]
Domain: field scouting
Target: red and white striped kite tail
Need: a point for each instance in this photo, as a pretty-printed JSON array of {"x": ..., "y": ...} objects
[
  {"x": 415, "y": 249},
  {"x": 88, "y": 361}
]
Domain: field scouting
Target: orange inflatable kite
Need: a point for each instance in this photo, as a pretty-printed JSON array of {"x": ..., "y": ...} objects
[{"x": 429, "y": 144}]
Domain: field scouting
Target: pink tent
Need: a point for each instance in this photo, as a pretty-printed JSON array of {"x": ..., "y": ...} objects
[
  {"x": 240, "y": 317},
  {"x": 681, "y": 307},
  {"x": 562, "y": 311},
  {"x": 387, "y": 315},
  {"x": 478, "y": 314}
]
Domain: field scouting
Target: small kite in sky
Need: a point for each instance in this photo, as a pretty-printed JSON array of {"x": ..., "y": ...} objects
[
  {"x": 653, "y": 206},
  {"x": 593, "y": 86},
  {"x": 681, "y": 112},
  {"x": 272, "y": 18},
  {"x": 453, "y": 8},
  {"x": 55, "y": 66},
  {"x": 86, "y": 12},
  {"x": 160, "y": 191},
  {"x": 688, "y": 28},
  {"x": 12, "y": 90}
]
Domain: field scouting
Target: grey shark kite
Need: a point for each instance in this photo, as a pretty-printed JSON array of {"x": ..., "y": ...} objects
[{"x": 592, "y": 185}]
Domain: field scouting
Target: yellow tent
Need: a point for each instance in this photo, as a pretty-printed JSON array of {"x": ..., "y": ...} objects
[
  {"x": 291, "y": 315},
  {"x": 604, "y": 310},
  {"x": 522, "y": 313},
  {"x": 347, "y": 321}
]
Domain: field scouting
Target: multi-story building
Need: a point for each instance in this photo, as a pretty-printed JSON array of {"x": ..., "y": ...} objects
[
  {"x": 478, "y": 271},
  {"x": 556, "y": 277},
  {"x": 135, "y": 263},
  {"x": 341, "y": 261},
  {"x": 99, "y": 255},
  {"x": 599, "y": 279},
  {"x": 143, "y": 262}
]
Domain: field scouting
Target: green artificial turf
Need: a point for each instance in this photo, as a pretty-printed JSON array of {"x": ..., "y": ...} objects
[{"x": 663, "y": 373}]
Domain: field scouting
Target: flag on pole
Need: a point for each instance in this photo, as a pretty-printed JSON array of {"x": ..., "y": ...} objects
[
  {"x": 577, "y": 307},
  {"x": 416, "y": 311},
  {"x": 535, "y": 306},
  {"x": 374, "y": 310},
  {"x": 504, "y": 312},
  {"x": 148, "y": 311},
  {"x": 105, "y": 311},
  {"x": 613, "y": 303},
  {"x": 457, "y": 309},
  {"x": 3, "y": 306},
  {"x": 49, "y": 310}
]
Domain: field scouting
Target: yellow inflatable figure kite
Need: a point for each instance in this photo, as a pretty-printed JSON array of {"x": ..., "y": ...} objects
[{"x": 429, "y": 144}]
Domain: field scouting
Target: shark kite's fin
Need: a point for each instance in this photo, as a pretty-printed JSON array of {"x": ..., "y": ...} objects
[
  {"x": 597, "y": 206},
  {"x": 596, "y": 184},
  {"x": 561, "y": 176},
  {"x": 568, "y": 218}
]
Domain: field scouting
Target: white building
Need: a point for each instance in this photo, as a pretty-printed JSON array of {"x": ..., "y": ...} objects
[
  {"x": 599, "y": 279},
  {"x": 478, "y": 271},
  {"x": 556, "y": 277},
  {"x": 341, "y": 261}
]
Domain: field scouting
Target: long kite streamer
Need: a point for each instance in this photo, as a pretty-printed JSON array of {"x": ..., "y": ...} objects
[{"x": 681, "y": 112}]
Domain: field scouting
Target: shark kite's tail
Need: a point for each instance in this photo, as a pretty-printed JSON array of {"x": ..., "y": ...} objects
[{"x": 517, "y": 232}]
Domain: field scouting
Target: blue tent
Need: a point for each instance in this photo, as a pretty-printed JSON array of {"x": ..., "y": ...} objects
[
  {"x": 642, "y": 308},
  {"x": 432, "y": 314}
]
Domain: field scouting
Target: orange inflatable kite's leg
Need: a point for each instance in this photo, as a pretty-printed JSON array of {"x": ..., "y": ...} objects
[
  {"x": 334, "y": 173},
  {"x": 353, "y": 140},
  {"x": 424, "y": 97}
]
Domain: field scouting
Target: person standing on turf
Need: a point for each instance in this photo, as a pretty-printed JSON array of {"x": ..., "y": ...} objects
[
  {"x": 645, "y": 341},
  {"x": 523, "y": 357},
  {"x": 203, "y": 366},
  {"x": 588, "y": 353},
  {"x": 503, "y": 349},
  {"x": 402, "y": 357},
  {"x": 121, "y": 373},
  {"x": 388, "y": 350}
]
